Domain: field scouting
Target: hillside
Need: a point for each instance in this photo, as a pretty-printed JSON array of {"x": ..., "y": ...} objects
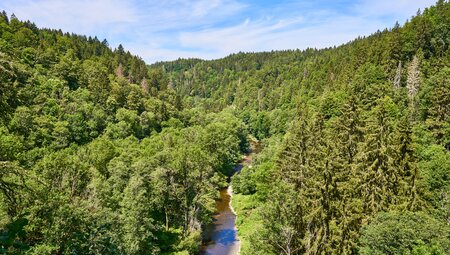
[
  {"x": 102, "y": 154},
  {"x": 355, "y": 138},
  {"x": 97, "y": 156}
]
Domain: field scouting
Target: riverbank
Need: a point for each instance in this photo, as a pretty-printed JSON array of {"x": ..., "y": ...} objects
[
  {"x": 222, "y": 235},
  {"x": 248, "y": 220}
]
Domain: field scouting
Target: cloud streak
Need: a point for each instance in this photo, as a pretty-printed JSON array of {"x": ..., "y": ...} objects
[
  {"x": 83, "y": 16},
  {"x": 168, "y": 29}
]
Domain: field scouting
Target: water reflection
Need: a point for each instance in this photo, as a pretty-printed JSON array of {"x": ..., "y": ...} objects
[
  {"x": 222, "y": 232},
  {"x": 221, "y": 236}
]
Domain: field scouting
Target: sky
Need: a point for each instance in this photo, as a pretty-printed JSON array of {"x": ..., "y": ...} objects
[{"x": 160, "y": 30}]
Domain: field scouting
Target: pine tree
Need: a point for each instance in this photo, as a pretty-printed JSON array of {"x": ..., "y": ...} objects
[
  {"x": 406, "y": 163},
  {"x": 346, "y": 135},
  {"x": 4, "y": 16},
  {"x": 296, "y": 173},
  {"x": 378, "y": 176},
  {"x": 318, "y": 189},
  {"x": 439, "y": 110},
  {"x": 120, "y": 50}
]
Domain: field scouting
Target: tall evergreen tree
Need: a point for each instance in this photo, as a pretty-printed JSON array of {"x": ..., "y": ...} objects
[{"x": 378, "y": 176}]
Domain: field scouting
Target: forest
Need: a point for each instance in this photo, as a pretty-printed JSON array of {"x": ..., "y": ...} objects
[{"x": 101, "y": 153}]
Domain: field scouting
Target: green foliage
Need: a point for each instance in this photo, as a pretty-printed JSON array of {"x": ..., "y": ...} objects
[
  {"x": 404, "y": 233},
  {"x": 10, "y": 238},
  {"x": 243, "y": 183},
  {"x": 436, "y": 106},
  {"x": 10, "y": 145},
  {"x": 434, "y": 167},
  {"x": 98, "y": 153},
  {"x": 191, "y": 244},
  {"x": 101, "y": 154},
  {"x": 248, "y": 222}
]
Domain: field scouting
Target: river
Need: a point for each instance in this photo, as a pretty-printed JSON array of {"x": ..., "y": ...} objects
[
  {"x": 222, "y": 233},
  {"x": 220, "y": 237}
]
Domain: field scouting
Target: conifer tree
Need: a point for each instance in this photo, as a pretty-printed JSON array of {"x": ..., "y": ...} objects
[
  {"x": 406, "y": 162},
  {"x": 377, "y": 174},
  {"x": 295, "y": 173},
  {"x": 439, "y": 110},
  {"x": 346, "y": 134}
]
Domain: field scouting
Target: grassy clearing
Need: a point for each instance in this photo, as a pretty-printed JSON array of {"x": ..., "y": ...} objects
[{"x": 248, "y": 219}]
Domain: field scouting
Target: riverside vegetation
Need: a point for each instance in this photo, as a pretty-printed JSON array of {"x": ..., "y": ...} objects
[{"x": 102, "y": 154}]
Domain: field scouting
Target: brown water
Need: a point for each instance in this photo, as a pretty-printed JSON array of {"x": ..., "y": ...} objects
[
  {"x": 222, "y": 233},
  {"x": 221, "y": 236}
]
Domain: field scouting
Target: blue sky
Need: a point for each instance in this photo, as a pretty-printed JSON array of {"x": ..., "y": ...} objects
[{"x": 208, "y": 29}]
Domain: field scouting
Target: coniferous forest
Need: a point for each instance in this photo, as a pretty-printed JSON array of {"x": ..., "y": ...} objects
[{"x": 101, "y": 153}]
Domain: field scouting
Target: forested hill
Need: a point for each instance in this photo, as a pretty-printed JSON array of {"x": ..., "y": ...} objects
[
  {"x": 101, "y": 154},
  {"x": 97, "y": 156},
  {"x": 356, "y": 140}
]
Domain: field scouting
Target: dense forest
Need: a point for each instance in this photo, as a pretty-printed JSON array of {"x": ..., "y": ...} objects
[{"x": 102, "y": 154}]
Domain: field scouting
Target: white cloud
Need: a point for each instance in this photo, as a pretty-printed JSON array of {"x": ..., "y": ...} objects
[
  {"x": 83, "y": 16},
  {"x": 181, "y": 14},
  {"x": 168, "y": 29},
  {"x": 318, "y": 28},
  {"x": 286, "y": 34}
]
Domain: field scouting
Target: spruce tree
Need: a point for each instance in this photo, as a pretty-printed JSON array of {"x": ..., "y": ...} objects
[
  {"x": 378, "y": 176},
  {"x": 439, "y": 110},
  {"x": 406, "y": 162},
  {"x": 345, "y": 136}
]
